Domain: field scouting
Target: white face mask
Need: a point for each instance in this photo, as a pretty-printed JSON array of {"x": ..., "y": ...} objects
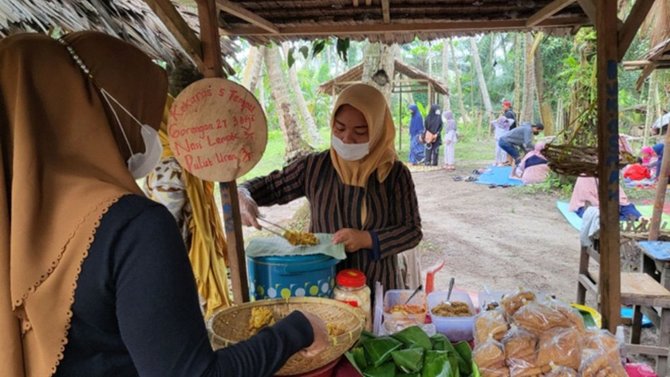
[
  {"x": 349, "y": 152},
  {"x": 139, "y": 164}
]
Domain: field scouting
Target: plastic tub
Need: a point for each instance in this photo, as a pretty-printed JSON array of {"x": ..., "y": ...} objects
[
  {"x": 291, "y": 276},
  {"x": 394, "y": 322},
  {"x": 455, "y": 328}
]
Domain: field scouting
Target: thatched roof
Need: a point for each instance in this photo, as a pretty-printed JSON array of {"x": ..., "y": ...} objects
[
  {"x": 397, "y": 21},
  {"x": 131, "y": 20},
  {"x": 658, "y": 57},
  {"x": 355, "y": 74}
]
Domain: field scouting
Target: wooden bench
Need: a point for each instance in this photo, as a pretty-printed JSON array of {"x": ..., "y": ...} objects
[{"x": 646, "y": 295}]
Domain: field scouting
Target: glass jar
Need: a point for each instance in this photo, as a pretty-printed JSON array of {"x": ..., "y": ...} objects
[{"x": 351, "y": 289}]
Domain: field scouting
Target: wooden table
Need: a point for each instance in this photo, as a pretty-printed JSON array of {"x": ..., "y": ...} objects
[{"x": 656, "y": 260}]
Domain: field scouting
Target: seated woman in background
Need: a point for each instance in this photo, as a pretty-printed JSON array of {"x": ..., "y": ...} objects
[
  {"x": 533, "y": 167},
  {"x": 585, "y": 193}
]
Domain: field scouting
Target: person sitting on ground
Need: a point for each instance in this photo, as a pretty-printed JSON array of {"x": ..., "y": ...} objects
[
  {"x": 94, "y": 276},
  {"x": 585, "y": 194},
  {"x": 520, "y": 139},
  {"x": 533, "y": 167}
]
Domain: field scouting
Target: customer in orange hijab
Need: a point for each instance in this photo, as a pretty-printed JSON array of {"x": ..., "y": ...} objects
[
  {"x": 357, "y": 190},
  {"x": 94, "y": 278}
]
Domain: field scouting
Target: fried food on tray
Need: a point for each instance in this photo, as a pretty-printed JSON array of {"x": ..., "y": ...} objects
[
  {"x": 301, "y": 238},
  {"x": 452, "y": 309},
  {"x": 260, "y": 317},
  {"x": 406, "y": 309},
  {"x": 334, "y": 329}
]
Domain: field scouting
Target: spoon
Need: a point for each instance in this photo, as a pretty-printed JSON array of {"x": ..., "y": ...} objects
[
  {"x": 451, "y": 288},
  {"x": 420, "y": 287}
]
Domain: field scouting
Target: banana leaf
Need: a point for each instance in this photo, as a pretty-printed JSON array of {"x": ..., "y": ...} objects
[
  {"x": 441, "y": 343},
  {"x": 412, "y": 336},
  {"x": 454, "y": 363},
  {"x": 436, "y": 364},
  {"x": 409, "y": 360},
  {"x": 379, "y": 350},
  {"x": 365, "y": 335},
  {"x": 361, "y": 361},
  {"x": 384, "y": 370},
  {"x": 408, "y": 375},
  {"x": 465, "y": 357},
  {"x": 350, "y": 356}
]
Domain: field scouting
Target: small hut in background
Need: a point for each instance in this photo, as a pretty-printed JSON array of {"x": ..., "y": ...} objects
[{"x": 407, "y": 80}]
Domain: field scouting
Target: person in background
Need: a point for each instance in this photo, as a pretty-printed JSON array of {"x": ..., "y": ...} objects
[
  {"x": 585, "y": 194},
  {"x": 500, "y": 127},
  {"x": 357, "y": 190},
  {"x": 417, "y": 152},
  {"x": 533, "y": 167},
  {"x": 658, "y": 149},
  {"x": 94, "y": 277},
  {"x": 509, "y": 113},
  {"x": 433, "y": 137},
  {"x": 450, "y": 139},
  {"x": 520, "y": 139},
  {"x": 647, "y": 155}
]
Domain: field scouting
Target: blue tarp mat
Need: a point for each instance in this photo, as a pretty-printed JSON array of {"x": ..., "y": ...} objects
[
  {"x": 498, "y": 175},
  {"x": 659, "y": 250},
  {"x": 572, "y": 217}
]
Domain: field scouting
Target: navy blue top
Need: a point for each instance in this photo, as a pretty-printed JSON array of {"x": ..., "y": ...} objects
[{"x": 136, "y": 308}]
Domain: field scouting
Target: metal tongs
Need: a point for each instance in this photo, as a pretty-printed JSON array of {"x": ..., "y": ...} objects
[{"x": 275, "y": 225}]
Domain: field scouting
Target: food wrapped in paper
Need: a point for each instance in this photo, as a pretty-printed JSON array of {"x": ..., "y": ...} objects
[
  {"x": 490, "y": 324},
  {"x": 561, "y": 347},
  {"x": 490, "y": 359}
]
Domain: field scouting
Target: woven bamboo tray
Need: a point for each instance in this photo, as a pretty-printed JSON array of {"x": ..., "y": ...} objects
[{"x": 230, "y": 326}]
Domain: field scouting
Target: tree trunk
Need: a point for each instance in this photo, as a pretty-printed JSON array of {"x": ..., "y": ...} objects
[
  {"x": 252, "y": 70},
  {"x": 309, "y": 126},
  {"x": 528, "y": 82},
  {"x": 483, "y": 88},
  {"x": 518, "y": 61},
  {"x": 649, "y": 113},
  {"x": 380, "y": 57},
  {"x": 545, "y": 107},
  {"x": 296, "y": 146},
  {"x": 457, "y": 80},
  {"x": 446, "y": 105}
]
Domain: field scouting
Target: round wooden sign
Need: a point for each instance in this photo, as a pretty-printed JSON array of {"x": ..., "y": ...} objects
[{"x": 217, "y": 130}]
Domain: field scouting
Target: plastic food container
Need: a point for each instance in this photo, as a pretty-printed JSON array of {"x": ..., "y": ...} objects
[
  {"x": 455, "y": 328},
  {"x": 394, "y": 322},
  {"x": 490, "y": 297}
]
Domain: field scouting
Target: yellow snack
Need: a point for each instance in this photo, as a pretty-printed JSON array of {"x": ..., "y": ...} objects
[
  {"x": 334, "y": 329},
  {"x": 260, "y": 317},
  {"x": 452, "y": 309},
  {"x": 301, "y": 238}
]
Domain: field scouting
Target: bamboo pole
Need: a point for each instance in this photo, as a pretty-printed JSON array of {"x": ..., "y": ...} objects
[
  {"x": 608, "y": 156},
  {"x": 212, "y": 67},
  {"x": 661, "y": 186}
]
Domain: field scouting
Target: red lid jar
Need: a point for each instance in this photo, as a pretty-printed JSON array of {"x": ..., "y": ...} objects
[{"x": 350, "y": 278}]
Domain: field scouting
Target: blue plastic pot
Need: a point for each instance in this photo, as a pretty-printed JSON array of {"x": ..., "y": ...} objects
[{"x": 291, "y": 276}]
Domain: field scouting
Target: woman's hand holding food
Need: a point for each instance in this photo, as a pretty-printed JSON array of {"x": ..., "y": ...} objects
[
  {"x": 248, "y": 208},
  {"x": 353, "y": 239},
  {"x": 321, "y": 342}
]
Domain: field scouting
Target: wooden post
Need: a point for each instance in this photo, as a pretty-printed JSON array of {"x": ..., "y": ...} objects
[
  {"x": 661, "y": 186},
  {"x": 608, "y": 163},
  {"x": 212, "y": 67},
  {"x": 400, "y": 121}
]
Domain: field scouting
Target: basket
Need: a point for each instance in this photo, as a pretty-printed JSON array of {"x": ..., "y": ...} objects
[
  {"x": 578, "y": 160},
  {"x": 230, "y": 326}
]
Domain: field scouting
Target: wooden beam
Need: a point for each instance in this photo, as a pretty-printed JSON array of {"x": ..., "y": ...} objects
[
  {"x": 548, "y": 11},
  {"x": 246, "y": 15},
  {"x": 589, "y": 7},
  {"x": 211, "y": 46},
  {"x": 655, "y": 226},
  {"x": 608, "y": 167},
  {"x": 386, "y": 10},
  {"x": 646, "y": 71},
  {"x": 355, "y": 3},
  {"x": 176, "y": 24},
  {"x": 632, "y": 24},
  {"x": 380, "y": 28}
]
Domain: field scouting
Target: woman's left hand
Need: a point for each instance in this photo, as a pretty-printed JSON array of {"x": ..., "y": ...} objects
[{"x": 353, "y": 239}]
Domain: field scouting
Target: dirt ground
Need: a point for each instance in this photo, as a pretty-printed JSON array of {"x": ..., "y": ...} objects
[{"x": 495, "y": 238}]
